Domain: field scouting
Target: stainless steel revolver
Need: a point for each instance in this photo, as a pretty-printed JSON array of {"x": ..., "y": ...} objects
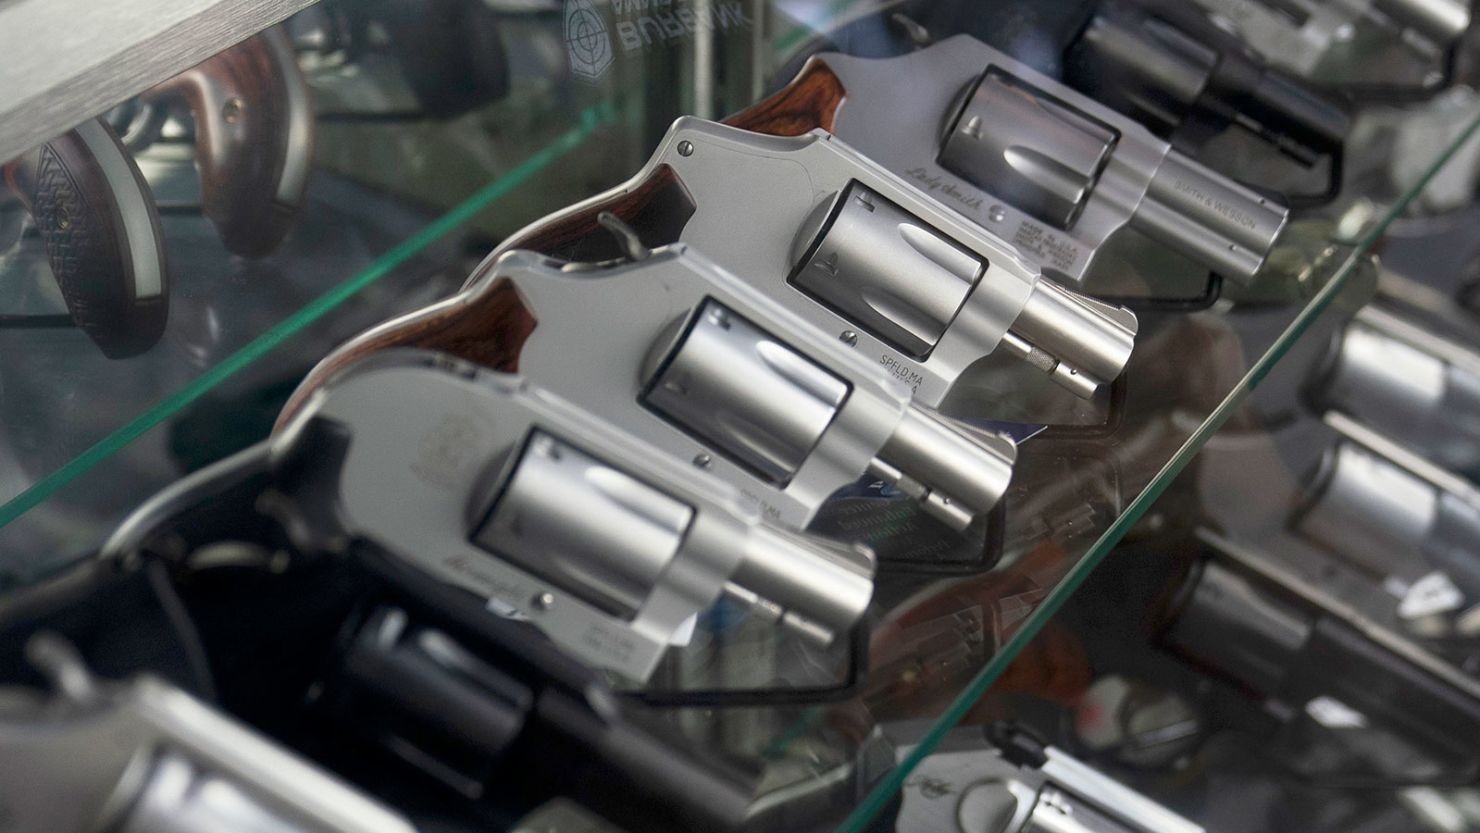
[
  {"x": 1012, "y": 782},
  {"x": 145, "y": 756},
  {"x": 701, "y": 364},
  {"x": 1302, "y": 35},
  {"x": 1050, "y": 170},
  {"x": 604, "y": 541},
  {"x": 857, "y": 252},
  {"x": 1400, "y": 378},
  {"x": 1388, "y": 511}
]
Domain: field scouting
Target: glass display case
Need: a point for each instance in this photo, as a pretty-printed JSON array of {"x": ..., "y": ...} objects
[{"x": 1091, "y": 386}]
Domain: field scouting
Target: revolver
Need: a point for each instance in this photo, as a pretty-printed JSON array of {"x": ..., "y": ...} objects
[
  {"x": 144, "y": 756},
  {"x": 254, "y": 129},
  {"x": 855, "y": 251},
  {"x": 1167, "y": 65},
  {"x": 1278, "y": 638},
  {"x": 1053, "y": 172},
  {"x": 702, "y": 365},
  {"x": 1303, "y": 36},
  {"x": 1379, "y": 506},
  {"x": 1405, "y": 381},
  {"x": 100, "y": 226},
  {"x": 1004, "y": 779},
  {"x": 603, "y": 541}
]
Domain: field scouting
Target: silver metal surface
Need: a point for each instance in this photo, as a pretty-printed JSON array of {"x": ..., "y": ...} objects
[
  {"x": 1051, "y": 171},
  {"x": 144, "y": 756},
  {"x": 1301, "y": 42},
  {"x": 607, "y": 543},
  {"x": 1026, "y": 148},
  {"x": 585, "y": 526},
  {"x": 66, "y": 62},
  {"x": 134, "y": 212},
  {"x": 1276, "y": 570},
  {"x": 1409, "y": 384},
  {"x": 293, "y": 179},
  {"x": 1369, "y": 511},
  {"x": 746, "y": 393},
  {"x": 967, "y": 787},
  {"x": 1383, "y": 507},
  {"x": 604, "y": 333},
  {"x": 878, "y": 265},
  {"x": 764, "y": 210}
]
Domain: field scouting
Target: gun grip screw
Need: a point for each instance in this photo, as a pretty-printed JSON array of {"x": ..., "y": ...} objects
[{"x": 231, "y": 111}]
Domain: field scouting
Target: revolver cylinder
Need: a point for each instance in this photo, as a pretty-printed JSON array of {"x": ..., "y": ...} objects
[
  {"x": 748, "y": 395},
  {"x": 746, "y": 392},
  {"x": 897, "y": 277},
  {"x": 1388, "y": 519},
  {"x": 905, "y": 283},
  {"x": 1027, "y": 148},
  {"x": 1045, "y": 157},
  {"x": 1407, "y": 383}
]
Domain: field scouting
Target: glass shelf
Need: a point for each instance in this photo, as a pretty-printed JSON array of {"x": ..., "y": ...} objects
[{"x": 401, "y": 207}]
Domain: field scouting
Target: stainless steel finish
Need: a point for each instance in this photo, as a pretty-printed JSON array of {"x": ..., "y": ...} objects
[
  {"x": 1385, "y": 508},
  {"x": 948, "y": 469},
  {"x": 763, "y": 204},
  {"x": 1300, "y": 43},
  {"x": 1277, "y": 571},
  {"x": 179, "y": 797},
  {"x": 1209, "y": 217},
  {"x": 746, "y": 393},
  {"x": 1026, "y": 148},
  {"x": 605, "y": 335},
  {"x": 1441, "y": 21},
  {"x": 585, "y": 526},
  {"x": 1369, "y": 511},
  {"x": 1409, "y": 384},
  {"x": 66, "y": 62},
  {"x": 1026, "y": 158},
  {"x": 967, "y": 787},
  {"x": 881, "y": 267},
  {"x": 604, "y": 541},
  {"x": 1111, "y": 796},
  {"x": 144, "y": 756}
]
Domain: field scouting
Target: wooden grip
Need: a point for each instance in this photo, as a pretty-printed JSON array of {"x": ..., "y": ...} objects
[
  {"x": 657, "y": 208},
  {"x": 254, "y": 139},
  {"x": 488, "y": 328},
  {"x": 810, "y": 101},
  {"x": 101, "y": 231}
]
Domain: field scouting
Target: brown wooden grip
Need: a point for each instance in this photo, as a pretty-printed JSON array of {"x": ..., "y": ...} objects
[
  {"x": 810, "y": 101},
  {"x": 489, "y": 329},
  {"x": 254, "y": 139},
  {"x": 651, "y": 206},
  {"x": 98, "y": 222},
  {"x": 491, "y": 326}
]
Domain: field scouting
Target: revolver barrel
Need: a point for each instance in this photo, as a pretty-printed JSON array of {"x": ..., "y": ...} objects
[{"x": 1210, "y": 217}]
